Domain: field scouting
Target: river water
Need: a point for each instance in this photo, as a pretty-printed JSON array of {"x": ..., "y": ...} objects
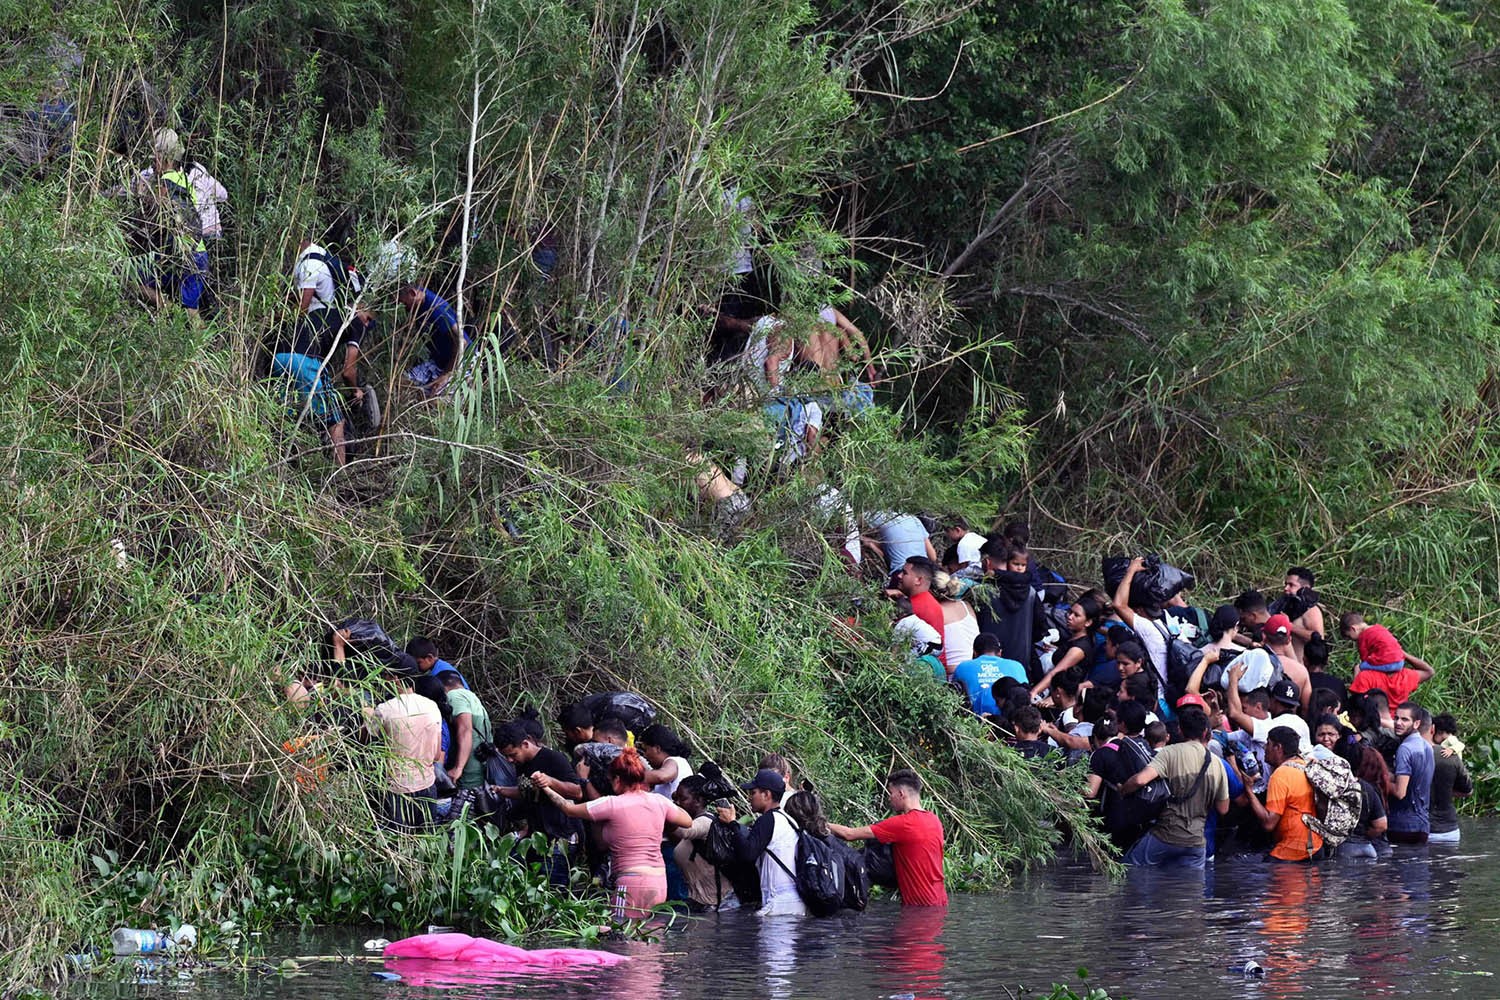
[{"x": 1422, "y": 923}]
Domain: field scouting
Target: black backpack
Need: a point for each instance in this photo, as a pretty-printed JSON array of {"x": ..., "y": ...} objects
[
  {"x": 1182, "y": 659},
  {"x": 880, "y": 864},
  {"x": 820, "y": 874},
  {"x": 856, "y": 879},
  {"x": 718, "y": 849},
  {"x": 346, "y": 285}
]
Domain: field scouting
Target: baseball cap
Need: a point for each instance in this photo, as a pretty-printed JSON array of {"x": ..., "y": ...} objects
[
  {"x": 1191, "y": 699},
  {"x": 766, "y": 779},
  {"x": 1285, "y": 692},
  {"x": 1277, "y": 625}
]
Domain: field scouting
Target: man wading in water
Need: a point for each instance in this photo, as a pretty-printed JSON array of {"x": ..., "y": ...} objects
[{"x": 916, "y": 839}]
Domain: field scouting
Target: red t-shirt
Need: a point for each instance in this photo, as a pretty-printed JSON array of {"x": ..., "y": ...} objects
[
  {"x": 926, "y": 607},
  {"x": 1377, "y": 645},
  {"x": 917, "y": 841},
  {"x": 1398, "y": 687}
]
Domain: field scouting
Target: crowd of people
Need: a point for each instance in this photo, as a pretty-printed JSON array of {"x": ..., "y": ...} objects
[
  {"x": 1196, "y": 735},
  {"x": 619, "y": 797},
  {"x": 1203, "y": 732},
  {"x": 791, "y": 364}
]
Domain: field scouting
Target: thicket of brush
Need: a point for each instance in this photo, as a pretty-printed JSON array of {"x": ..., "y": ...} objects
[
  {"x": 175, "y": 545},
  {"x": 1216, "y": 281}
]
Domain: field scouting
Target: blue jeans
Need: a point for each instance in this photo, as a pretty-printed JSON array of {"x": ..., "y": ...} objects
[
  {"x": 1381, "y": 668},
  {"x": 1149, "y": 852}
]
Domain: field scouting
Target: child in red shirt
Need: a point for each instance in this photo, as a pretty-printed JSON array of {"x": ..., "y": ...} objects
[{"x": 1378, "y": 648}]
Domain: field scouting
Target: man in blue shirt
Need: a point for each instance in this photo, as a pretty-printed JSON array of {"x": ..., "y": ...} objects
[
  {"x": 987, "y": 667},
  {"x": 432, "y": 314},
  {"x": 1410, "y": 788}
]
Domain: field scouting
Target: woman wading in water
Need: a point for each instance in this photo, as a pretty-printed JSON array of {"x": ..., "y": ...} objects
[{"x": 633, "y": 820}]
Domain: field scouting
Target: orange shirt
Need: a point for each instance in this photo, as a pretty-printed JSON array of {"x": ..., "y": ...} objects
[{"x": 1291, "y": 794}]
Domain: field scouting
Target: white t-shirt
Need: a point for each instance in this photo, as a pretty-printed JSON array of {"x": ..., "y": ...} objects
[
  {"x": 314, "y": 274},
  {"x": 968, "y": 548},
  {"x": 809, "y": 416},
  {"x": 778, "y": 890},
  {"x": 758, "y": 349},
  {"x": 684, "y": 770},
  {"x": 1148, "y": 632},
  {"x": 1263, "y": 729},
  {"x": 1258, "y": 670},
  {"x": 920, "y": 634},
  {"x": 393, "y": 262},
  {"x": 831, "y": 504}
]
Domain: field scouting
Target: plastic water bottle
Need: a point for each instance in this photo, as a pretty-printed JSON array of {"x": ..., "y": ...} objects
[{"x": 130, "y": 941}]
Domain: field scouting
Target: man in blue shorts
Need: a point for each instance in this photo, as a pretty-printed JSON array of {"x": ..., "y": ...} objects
[{"x": 314, "y": 393}]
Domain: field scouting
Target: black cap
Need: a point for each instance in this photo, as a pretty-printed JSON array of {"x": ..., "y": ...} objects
[
  {"x": 767, "y": 779},
  {"x": 1285, "y": 692}
]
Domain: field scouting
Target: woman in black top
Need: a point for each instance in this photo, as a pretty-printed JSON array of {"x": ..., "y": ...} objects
[{"x": 1077, "y": 650}]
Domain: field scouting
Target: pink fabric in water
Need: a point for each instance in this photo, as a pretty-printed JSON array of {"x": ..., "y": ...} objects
[{"x": 462, "y": 948}]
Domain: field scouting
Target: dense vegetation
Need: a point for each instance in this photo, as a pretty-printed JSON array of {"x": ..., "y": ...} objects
[{"x": 1211, "y": 279}]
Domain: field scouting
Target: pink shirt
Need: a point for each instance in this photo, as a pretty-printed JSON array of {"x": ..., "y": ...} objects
[
  {"x": 414, "y": 728},
  {"x": 633, "y": 828}
]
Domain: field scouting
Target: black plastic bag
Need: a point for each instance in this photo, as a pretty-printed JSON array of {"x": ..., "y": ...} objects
[
  {"x": 1154, "y": 584},
  {"x": 599, "y": 756},
  {"x": 1163, "y": 580},
  {"x": 633, "y": 710},
  {"x": 368, "y": 643}
]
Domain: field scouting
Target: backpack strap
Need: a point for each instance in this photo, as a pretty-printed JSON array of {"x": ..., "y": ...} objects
[
  {"x": 770, "y": 850},
  {"x": 1197, "y": 782},
  {"x": 1301, "y": 765},
  {"x": 336, "y": 274},
  {"x": 1167, "y": 639}
]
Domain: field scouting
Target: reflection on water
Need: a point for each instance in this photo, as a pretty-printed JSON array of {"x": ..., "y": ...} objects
[{"x": 1421, "y": 923}]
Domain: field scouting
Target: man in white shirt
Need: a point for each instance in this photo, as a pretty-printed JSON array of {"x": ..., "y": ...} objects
[
  {"x": 1259, "y": 712},
  {"x": 318, "y": 304},
  {"x": 770, "y": 844}
]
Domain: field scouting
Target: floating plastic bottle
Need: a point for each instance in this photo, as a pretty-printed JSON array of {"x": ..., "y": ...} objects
[{"x": 131, "y": 941}]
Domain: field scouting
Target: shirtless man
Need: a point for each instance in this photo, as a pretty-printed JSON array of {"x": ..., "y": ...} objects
[{"x": 1299, "y": 582}]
